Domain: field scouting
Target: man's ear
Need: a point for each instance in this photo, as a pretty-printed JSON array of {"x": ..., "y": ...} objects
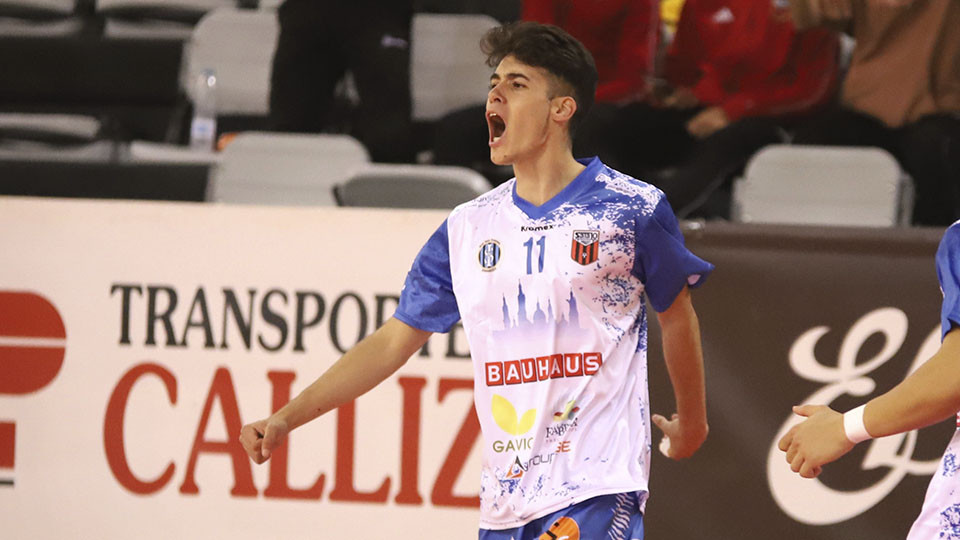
[{"x": 563, "y": 108}]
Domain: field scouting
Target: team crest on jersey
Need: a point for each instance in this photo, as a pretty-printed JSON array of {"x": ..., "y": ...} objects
[
  {"x": 585, "y": 246},
  {"x": 489, "y": 255}
]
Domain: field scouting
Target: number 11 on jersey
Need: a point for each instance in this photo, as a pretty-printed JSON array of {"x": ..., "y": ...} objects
[{"x": 542, "y": 242}]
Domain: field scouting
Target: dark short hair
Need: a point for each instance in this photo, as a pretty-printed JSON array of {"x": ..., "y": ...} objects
[{"x": 551, "y": 48}]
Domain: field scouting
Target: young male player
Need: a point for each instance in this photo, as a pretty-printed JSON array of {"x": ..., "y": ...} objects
[
  {"x": 928, "y": 395},
  {"x": 548, "y": 273}
]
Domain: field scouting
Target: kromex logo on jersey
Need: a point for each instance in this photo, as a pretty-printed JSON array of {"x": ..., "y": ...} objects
[
  {"x": 489, "y": 255},
  {"x": 585, "y": 246}
]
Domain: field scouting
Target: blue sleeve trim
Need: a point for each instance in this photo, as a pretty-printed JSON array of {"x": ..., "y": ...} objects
[
  {"x": 662, "y": 261},
  {"x": 427, "y": 301},
  {"x": 948, "y": 273}
]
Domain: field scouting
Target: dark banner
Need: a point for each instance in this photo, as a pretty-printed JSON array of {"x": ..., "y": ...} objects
[{"x": 798, "y": 315}]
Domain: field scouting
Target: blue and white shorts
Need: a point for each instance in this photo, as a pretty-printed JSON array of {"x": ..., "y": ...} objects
[{"x": 607, "y": 517}]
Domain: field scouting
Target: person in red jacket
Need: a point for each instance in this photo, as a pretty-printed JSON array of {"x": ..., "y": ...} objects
[
  {"x": 622, "y": 36},
  {"x": 739, "y": 73}
]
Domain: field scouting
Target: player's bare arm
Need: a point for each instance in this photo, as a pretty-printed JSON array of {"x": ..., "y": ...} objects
[
  {"x": 680, "y": 329},
  {"x": 364, "y": 366},
  {"x": 929, "y": 395}
]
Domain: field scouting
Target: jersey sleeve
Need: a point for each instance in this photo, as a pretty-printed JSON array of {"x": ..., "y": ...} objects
[
  {"x": 948, "y": 272},
  {"x": 662, "y": 261},
  {"x": 426, "y": 300}
]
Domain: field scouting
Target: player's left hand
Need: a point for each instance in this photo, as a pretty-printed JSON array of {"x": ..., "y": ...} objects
[
  {"x": 684, "y": 437},
  {"x": 816, "y": 441},
  {"x": 707, "y": 122}
]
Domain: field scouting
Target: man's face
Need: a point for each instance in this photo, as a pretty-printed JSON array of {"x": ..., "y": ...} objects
[{"x": 518, "y": 111}]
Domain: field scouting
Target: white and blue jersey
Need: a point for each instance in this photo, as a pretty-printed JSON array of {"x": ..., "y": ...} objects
[
  {"x": 940, "y": 516},
  {"x": 552, "y": 303}
]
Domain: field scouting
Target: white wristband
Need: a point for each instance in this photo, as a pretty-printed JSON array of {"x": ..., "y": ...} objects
[{"x": 853, "y": 426}]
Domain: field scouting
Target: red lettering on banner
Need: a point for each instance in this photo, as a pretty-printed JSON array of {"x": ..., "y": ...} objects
[
  {"x": 222, "y": 388},
  {"x": 222, "y": 393},
  {"x": 8, "y": 440},
  {"x": 25, "y": 368},
  {"x": 442, "y": 494},
  {"x": 511, "y": 372},
  {"x": 494, "y": 373},
  {"x": 410, "y": 441},
  {"x": 543, "y": 368},
  {"x": 279, "y": 488},
  {"x": 573, "y": 364},
  {"x": 343, "y": 488},
  {"x": 113, "y": 429},
  {"x": 528, "y": 369},
  {"x": 592, "y": 362}
]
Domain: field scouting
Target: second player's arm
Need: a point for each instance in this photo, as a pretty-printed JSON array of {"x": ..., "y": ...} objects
[
  {"x": 680, "y": 330},
  {"x": 364, "y": 366},
  {"x": 930, "y": 394}
]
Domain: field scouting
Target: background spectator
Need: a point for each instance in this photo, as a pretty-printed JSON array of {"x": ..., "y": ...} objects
[
  {"x": 739, "y": 74},
  {"x": 901, "y": 92},
  {"x": 320, "y": 40}
]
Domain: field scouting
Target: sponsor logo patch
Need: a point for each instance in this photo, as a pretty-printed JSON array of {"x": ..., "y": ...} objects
[{"x": 585, "y": 246}]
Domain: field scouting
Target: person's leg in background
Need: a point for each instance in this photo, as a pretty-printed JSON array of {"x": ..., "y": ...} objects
[
  {"x": 844, "y": 127},
  {"x": 306, "y": 67},
  {"x": 929, "y": 151},
  {"x": 461, "y": 138},
  {"x": 652, "y": 139},
  {"x": 714, "y": 160},
  {"x": 598, "y": 136},
  {"x": 378, "y": 46}
]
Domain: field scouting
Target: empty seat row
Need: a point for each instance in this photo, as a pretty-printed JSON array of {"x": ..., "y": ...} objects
[{"x": 326, "y": 170}]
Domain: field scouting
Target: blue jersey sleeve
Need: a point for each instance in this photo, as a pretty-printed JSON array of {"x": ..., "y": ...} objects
[
  {"x": 662, "y": 261},
  {"x": 948, "y": 272},
  {"x": 427, "y": 301}
]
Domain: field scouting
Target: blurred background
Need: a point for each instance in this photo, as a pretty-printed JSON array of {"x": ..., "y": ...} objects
[{"x": 820, "y": 111}]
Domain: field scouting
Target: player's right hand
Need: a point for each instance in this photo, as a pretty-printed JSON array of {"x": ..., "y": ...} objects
[
  {"x": 684, "y": 438},
  {"x": 818, "y": 440},
  {"x": 260, "y": 438}
]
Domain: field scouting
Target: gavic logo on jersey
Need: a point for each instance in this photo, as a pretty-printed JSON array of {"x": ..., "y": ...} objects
[
  {"x": 541, "y": 368},
  {"x": 489, "y": 255},
  {"x": 505, "y": 415},
  {"x": 585, "y": 246}
]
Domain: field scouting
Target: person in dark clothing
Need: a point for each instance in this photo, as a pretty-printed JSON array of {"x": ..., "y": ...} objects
[{"x": 319, "y": 42}]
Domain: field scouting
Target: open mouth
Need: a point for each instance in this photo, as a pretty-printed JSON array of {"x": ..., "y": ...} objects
[{"x": 496, "y": 125}]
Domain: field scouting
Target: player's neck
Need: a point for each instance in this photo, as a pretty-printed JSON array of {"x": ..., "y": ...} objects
[{"x": 541, "y": 176}]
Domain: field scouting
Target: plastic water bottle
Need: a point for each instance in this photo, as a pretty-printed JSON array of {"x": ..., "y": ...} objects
[{"x": 203, "y": 127}]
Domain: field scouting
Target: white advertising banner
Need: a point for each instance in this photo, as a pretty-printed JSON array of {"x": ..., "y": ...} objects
[{"x": 136, "y": 339}]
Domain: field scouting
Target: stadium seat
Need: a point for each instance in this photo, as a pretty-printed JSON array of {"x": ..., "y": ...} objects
[
  {"x": 53, "y": 137},
  {"x": 823, "y": 185},
  {"x": 37, "y": 9},
  {"x": 238, "y": 45},
  {"x": 53, "y": 128},
  {"x": 154, "y": 19},
  {"x": 153, "y": 152},
  {"x": 39, "y": 18},
  {"x": 410, "y": 186},
  {"x": 284, "y": 168},
  {"x": 448, "y": 70}
]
